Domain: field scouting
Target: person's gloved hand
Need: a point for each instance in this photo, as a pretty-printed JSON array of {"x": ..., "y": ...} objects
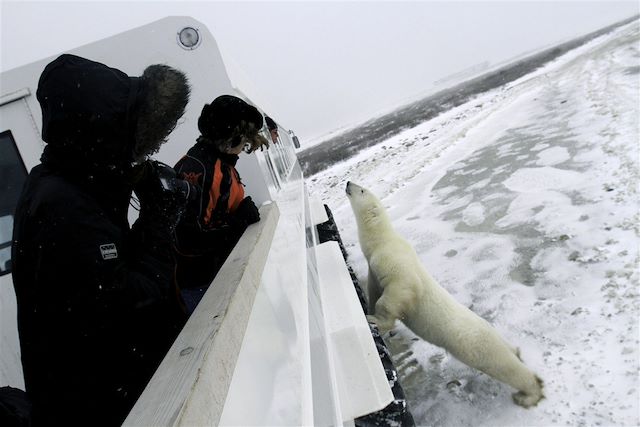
[
  {"x": 163, "y": 196},
  {"x": 247, "y": 211}
]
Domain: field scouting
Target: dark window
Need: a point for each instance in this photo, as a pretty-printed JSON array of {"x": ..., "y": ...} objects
[{"x": 13, "y": 173}]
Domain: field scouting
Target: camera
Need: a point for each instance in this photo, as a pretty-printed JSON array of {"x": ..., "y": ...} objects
[{"x": 157, "y": 183}]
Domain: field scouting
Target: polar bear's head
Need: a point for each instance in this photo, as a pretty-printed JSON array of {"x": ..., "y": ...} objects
[{"x": 366, "y": 206}]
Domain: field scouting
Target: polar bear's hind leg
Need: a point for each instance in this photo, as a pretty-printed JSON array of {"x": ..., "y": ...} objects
[
  {"x": 515, "y": 373},
  {"x": 486, "y": 351}
]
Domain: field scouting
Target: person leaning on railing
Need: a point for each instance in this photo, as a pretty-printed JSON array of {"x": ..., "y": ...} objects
[
  {"x": 273, "y": 129},
  {"x": 214, "y": 223},
  {"x": 97, "y": 305}
]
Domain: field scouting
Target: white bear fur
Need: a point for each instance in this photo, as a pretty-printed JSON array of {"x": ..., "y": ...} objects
[{"x": 400, "y": 288}]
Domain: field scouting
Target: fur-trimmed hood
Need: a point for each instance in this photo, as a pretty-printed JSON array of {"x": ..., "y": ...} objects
[{"x": 97, "y": 119}]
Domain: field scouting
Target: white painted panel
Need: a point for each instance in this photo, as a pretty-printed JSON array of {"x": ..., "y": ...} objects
[
  {"x": 10, "y": 364},
  {"x": 319, "y": 214},
  {"x": 362, "y": 384},
  {"x": 271, "y": 384}
]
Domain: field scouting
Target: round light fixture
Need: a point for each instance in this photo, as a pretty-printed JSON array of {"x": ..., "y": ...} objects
[{"x": 189, "y": 38}]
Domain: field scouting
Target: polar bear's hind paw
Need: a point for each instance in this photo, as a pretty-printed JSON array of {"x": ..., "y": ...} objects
[{"x": 527, "y": 400}]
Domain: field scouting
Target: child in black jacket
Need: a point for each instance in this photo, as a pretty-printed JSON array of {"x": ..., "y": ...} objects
[{"x": 213, "y": 224}]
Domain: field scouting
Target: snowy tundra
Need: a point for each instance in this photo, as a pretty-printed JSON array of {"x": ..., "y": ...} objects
[{"x": 523, "y": 204}]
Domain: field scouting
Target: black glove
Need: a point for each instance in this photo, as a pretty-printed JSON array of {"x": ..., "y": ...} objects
[
  {"x": 163, "y": 196},
  {"x": 247, "y": 211}
]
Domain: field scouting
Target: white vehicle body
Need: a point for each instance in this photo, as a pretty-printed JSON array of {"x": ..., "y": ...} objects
[{"x": 279, "y": 338}]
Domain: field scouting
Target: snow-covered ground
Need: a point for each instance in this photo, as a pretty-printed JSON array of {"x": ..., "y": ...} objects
[{"x": 523, "y": 204}]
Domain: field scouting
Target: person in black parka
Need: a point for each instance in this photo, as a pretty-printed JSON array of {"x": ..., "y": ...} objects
[{"x": 97, "y": 305}]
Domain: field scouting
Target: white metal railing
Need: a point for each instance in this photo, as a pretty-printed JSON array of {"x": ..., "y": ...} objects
[{"x": 279, "y": 160}]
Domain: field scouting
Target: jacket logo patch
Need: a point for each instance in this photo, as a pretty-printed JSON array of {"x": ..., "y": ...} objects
[
  {"x": 192, "y": 177},
  {"x": 109, "y": 251}
]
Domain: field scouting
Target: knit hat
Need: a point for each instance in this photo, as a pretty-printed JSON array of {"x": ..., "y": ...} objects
[
  {"x": 223, "y": 118},
  {"x": 229, "y": 121},
  {"x": 271, "y": 125}
]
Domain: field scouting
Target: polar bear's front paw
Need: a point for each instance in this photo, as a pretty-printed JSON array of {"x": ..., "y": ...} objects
[
  {"x": 383, "y": 325},
  {"x": 372, "y": 319}
]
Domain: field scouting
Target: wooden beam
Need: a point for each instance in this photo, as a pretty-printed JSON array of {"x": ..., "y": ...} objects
[{"x": 191, "y": 384}]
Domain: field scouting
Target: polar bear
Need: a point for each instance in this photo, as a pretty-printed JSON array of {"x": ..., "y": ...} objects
[{"x": 401, "y": 288}]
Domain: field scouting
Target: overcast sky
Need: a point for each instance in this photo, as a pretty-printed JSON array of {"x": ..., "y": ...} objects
[{"x": 322, "y": 66}]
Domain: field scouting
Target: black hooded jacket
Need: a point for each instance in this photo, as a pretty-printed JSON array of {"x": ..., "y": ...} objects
[{"x": 97, "y": 306}]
